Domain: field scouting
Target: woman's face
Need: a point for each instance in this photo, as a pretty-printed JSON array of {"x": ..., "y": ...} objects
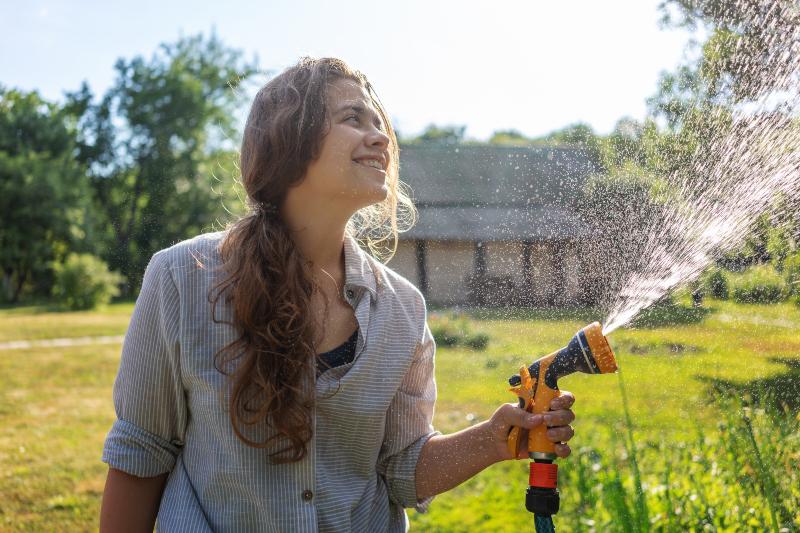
[{"x": 350, "y": 172}]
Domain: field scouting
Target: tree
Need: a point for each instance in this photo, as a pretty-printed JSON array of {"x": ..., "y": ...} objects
[
  {"x": 750, "y": 56},
  {"x": 743, "y": 78},
  {"x": 578, "y": 135},
  {"x": 157, "y": 142},
  {"x": 752, "y": 48},
  {"x": 510, "y": 138},
  {"x": 620, "y": 206},
  {"x": 43, "y": 191},
  {"x": 441, "y": 135}
]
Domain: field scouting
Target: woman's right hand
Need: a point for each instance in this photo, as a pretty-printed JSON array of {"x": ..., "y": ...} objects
[{"x": 557, "y": 420}]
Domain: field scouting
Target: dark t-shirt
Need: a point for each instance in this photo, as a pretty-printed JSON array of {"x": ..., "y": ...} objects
[{"x": 341, "y": 355}]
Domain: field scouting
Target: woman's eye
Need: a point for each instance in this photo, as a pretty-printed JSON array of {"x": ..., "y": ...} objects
[{"x": 352, "y": 117}]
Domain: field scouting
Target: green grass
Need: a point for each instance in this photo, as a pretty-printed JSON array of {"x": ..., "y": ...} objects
[
  {"x": 695, "y": 453},
  {"x": 55, "y": 409},
  {"x": 665, "y": 367},
  {"x": 43, "y": 322},
  {"x": 670, "y": 375}
]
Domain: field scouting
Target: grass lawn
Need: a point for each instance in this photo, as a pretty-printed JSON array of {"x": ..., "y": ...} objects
[
  {"x": 668, "y": 373},
  {"x": 41, "y": 322},
  {"x": 55, "y": 408}
]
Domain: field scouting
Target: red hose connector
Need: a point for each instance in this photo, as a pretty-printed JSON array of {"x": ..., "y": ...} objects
[{"x": 543, "y": 475}]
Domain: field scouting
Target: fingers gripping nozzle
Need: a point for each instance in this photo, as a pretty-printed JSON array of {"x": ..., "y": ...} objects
[{"x": 537, "y": 385}]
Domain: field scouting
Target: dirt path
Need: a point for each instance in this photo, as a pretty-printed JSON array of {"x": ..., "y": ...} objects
[{"x": 60, "y": 343}]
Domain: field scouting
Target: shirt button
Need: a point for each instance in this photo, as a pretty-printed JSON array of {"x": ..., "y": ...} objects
[
  {"x": 307, "y": 495},
  {"x": 350, "y": 294}
]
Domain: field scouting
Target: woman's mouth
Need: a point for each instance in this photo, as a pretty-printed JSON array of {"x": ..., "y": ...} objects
[{"x": 371, "y": 163}]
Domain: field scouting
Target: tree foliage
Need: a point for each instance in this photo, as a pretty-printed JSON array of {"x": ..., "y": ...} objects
[
  {"x": 746, "y": 53},
  {"x": 434, "y": 134},
  {"x": 510, "y": 138},
  {"x": 748, "y": 58},
  {"x": 620, "y": 205},
  {"x": 156, "y": 145},
  {"x": 43, "y": 191}
]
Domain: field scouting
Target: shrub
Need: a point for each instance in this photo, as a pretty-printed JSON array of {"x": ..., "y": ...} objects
[
  {"x": 456, "y": 330},
  {"x": 759, "y": 284},
  {"x": 791, "y": 273},
  {"x": 779, "y": 245},
  {"x": 444, "y": 336},
  {"x": 715, "y": 283},
  {"x": 667, "y": 312},
  {"x": 477, "y": 341},
  {"x": 83, "y": 281},
  {"x": 447, "y": 330}
]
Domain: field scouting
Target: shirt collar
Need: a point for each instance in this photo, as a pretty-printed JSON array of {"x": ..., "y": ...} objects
[{"x": 358, "y": 270}]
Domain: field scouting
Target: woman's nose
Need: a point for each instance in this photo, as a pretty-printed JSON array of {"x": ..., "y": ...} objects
[{"x": 378, "y": 137}]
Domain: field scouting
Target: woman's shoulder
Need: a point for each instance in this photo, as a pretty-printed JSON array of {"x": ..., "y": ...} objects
[
  {"x": 200, "y": 253},
  {"x": 394, "y": 285},
  {"x": 394, "y": 281}
]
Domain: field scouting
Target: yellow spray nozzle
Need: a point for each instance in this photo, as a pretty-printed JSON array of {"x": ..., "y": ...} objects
[
  {"x": 599, "y": 348},
  {"x": 537, "y": 385}
]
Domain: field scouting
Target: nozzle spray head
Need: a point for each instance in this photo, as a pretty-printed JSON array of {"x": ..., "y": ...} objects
[
  {"x": 596, "y": 348},
  {"x": 587, "y": 352}
]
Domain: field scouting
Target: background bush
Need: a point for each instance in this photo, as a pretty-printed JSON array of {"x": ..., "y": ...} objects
[
  {"x": 477, "y": 341},
  {"x": 758, "y": 284},
  {"x": 83, "y": 281},
  {"x": 715, "y": 283},
  {"x": 456, "y": 330},
  {"x": 791, "y": 273}
]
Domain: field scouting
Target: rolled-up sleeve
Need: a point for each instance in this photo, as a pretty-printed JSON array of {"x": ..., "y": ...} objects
[
  {"x": 409, "y": 426},
  {"x": 149, "y": 399}
]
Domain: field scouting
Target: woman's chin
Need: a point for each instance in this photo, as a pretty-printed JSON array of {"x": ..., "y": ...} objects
[
  {"x": 374, "y": 195},
  {"x": 379, "y": 197}
]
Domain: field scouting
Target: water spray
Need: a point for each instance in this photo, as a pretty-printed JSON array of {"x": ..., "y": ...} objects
[{"x": 537, "y": 386}]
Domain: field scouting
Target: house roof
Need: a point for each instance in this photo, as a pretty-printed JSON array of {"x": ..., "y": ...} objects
[
  {"x": 495, "y": 193},
  {"x": 473, "y": 175},
  {"x": 496, "y": 224}
]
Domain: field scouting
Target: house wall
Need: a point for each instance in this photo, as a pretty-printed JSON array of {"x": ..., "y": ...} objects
[
  {"x": 542, "y": 272},
  {"x": 404, "y": 261},
  {"x": 505, "y": 259},
  {"x": 555, "y": 273},
  {"x": 449, "y": 264},
  {"x": 573, "y": 273}
]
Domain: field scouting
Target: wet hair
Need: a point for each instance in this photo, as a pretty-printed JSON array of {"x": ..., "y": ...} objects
[{"x": 271, "y": 365}]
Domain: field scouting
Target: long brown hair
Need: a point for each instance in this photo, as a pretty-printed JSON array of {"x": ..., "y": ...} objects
[{"x": 271, "y": 365}]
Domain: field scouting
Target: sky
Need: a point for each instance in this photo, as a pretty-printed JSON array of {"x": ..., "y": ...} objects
[{"x": 528, "y": 65}]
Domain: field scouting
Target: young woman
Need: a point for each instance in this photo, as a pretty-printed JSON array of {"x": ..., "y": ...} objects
[{"x": 276, "y": 377}]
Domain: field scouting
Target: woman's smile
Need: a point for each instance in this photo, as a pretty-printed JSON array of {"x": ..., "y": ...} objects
[{"x": 372, "y": 163}]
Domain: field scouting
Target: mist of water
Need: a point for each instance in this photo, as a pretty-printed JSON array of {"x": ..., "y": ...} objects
[{"x": 734, "y": 177}]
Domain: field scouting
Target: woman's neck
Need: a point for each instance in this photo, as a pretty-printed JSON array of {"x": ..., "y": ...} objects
[
  {"x": 323, "y": 248},
  {"x": 319, "y": 235}
]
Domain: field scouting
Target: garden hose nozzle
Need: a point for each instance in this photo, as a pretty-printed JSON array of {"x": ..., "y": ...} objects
[{"x": 536, "y": 386}]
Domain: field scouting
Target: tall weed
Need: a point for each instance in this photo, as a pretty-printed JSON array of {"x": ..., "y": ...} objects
[{"x": 744, "y": 478}]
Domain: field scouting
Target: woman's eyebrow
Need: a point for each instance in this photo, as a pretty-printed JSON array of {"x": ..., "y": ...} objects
[{"x": 361, "y": 110}]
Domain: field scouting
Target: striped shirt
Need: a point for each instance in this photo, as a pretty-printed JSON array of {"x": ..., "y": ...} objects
[{"x": 371, "y": 418}]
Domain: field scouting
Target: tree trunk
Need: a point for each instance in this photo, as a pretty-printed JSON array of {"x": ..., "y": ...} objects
[
  {"x": 8, "y": 292},
  {"x": 18, "y": 289}
]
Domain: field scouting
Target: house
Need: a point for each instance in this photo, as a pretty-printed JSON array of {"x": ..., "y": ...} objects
[{"x": 497, "y": 225}]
